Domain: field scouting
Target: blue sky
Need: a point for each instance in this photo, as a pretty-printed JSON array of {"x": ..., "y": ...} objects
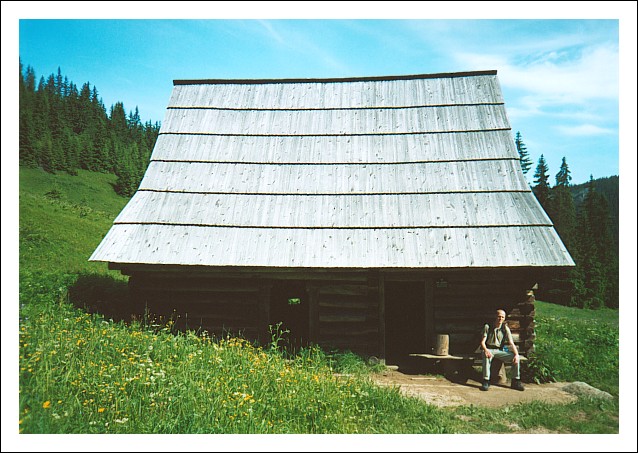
[{"x": 560, "y": 78}]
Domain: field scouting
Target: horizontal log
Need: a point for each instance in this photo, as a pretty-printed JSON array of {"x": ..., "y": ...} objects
[
  {"x": 337, "y": 299},
  {"x": 336, "y": 330},
  {"x": 484, "y": 304},
  {"x": 352, "y": 304},
  {"x": 219, "y": 317},
  {"x": 356, "y": 339},
  {"x": 176, "y": 289},
  {"x": 346, "y": 309},
  {"x": 473, "y": 290},
  {"x": 189, "y": 282},
  {"x": 352, "y": 290},
  {"x": 347, "y": 343},
  {"x": 205, "y": 300},
  {"x": 489, "y": 276},
  {"x": 478, "y": 314},
  {"x": 342, "y": 318}
]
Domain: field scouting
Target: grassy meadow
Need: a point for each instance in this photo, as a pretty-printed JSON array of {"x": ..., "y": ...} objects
[{"x": 82, "y": 370}]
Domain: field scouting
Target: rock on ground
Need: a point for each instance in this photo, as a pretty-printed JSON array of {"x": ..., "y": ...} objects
[{"x": 583, "y": 389}]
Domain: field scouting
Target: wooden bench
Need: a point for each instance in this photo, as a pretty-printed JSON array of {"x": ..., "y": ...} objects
[{"x": 459, "y": 367}]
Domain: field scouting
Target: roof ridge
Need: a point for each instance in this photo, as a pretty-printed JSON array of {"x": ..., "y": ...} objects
[{"x": 333, "y": 79}]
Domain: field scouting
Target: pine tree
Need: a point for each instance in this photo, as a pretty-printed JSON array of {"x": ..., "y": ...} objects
[
  {"x": 526, "y": 162},
  {"x": 562, "y": 210},
  {"x": 541, "y": 179},
  {"x": 596, "y": 257},
  {"x": 26, "y": 96},
  {"x": 563, "y": 176}
]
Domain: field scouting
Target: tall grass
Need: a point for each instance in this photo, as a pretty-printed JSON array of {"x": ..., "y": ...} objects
[
  {"x": 576, "y": 345},
  {"x": 82, "y": 373}
]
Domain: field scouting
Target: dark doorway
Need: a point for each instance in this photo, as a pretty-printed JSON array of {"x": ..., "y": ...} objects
[
  {"x": 289, "y": 304},
  {"x": 404, "y": 321}
]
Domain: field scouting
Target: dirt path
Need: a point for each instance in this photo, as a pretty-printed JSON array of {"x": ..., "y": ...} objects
[{"x": 443, "y": 392}]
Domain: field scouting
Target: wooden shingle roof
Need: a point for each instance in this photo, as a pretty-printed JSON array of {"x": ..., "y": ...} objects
[{"x": 385, "y": 172}]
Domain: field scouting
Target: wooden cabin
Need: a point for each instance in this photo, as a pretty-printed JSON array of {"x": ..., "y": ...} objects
[{"x": 368, "y": 214}]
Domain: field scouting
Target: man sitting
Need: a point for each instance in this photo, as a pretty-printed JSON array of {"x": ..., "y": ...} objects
[{"x": 494, "y": 344}]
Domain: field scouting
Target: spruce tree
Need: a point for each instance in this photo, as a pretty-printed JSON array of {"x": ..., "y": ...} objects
[
  {"x": 526, "y": 162},
  {"x": 596, "y": 257},
  {"x": 541, "y": 179},
  {"x": 562, "y": 209},
  {"x": 562, "y": 212},
  {"x": 26, "y": 97}
]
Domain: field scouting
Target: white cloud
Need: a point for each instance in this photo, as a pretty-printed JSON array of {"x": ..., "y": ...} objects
[
  {"x": 584, "y": 130},
  {"x": 271, "y": 32},
  {"x": 554, "y": 78}
]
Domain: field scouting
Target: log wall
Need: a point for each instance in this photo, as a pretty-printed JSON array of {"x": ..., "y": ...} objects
[
  {"x": 464, "y": 302},
  {"x": 218, "y": 306},
  {"x": 347, "y": 315},
  {"x": 346, "y": 311}
]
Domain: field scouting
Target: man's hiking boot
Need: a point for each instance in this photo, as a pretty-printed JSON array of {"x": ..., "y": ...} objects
[
  {"x": 485, "y": 386},
  {"x": 517, "y": 385}
]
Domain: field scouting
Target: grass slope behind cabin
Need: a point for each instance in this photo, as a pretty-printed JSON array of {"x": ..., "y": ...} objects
[{"x": 63, "y": 218}]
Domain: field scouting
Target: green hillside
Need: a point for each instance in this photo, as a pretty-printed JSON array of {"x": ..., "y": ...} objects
[{"x": 63, "y": 218}]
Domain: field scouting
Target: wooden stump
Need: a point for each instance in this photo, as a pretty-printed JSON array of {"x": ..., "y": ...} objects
[{"x": 441, "y": 346}]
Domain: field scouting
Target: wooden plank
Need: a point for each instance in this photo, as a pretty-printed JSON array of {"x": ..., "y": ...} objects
[
  {"x": 218, "y": 315},
  {"x": 160, "y": 287},
  {"x": 187, "y": 282},
  {"x": 368, "y": 335},
  {"x": 217, "y": 300},
  {"x": 350, "y": 290},
  {"x": 454, "y": 357},
  {"x": 343, "y": 301},
  {"x": 441, "y": 357},
  {"x": 347, "y": 331},
  {"x": 348, "y": 343},
  {"x": 352, "y": 304},
  {"x": 344, "y": 312},
  {"x": 342, "y": 318}
]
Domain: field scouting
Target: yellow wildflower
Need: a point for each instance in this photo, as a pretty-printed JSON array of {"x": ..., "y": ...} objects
[
  {"x": 46, "y": 404},
  {"x": 101, "y": 409}
]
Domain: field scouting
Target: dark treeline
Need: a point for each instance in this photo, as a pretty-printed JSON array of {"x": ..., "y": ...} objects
[
  {"x": 63, "y": 128},
  {"x": 586, "y": 218}
]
